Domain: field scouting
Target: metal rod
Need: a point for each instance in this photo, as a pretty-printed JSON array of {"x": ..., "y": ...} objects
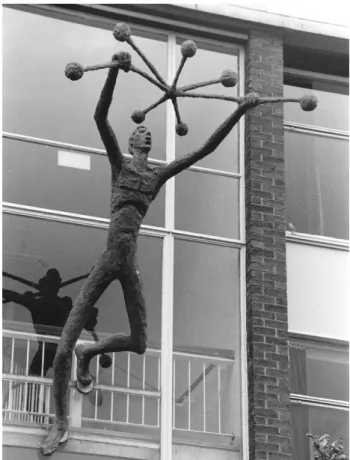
[
  {"x": 181, "y": 65},
  {"x": 219, "y": 397},
  {"x": 189, "y": 395},
  {"x": 204, "y": 399},
  {"x": 174, "y": 392},
  {"x": 145, "y": 60},
  {"x": 128, "y": 386},
  {"x": 158, "y": 388},
  {"x": 27, "y": 357},
  {"x": 199, "y": 85},
  {"x": 143, "y": 387},
  {"x": 147, "y": 77}
]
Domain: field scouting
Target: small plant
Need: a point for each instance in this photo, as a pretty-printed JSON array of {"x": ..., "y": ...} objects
[{"x": 326, "y": 449}]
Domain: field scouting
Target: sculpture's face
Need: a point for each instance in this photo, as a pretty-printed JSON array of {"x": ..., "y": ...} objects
[{"x": 140, "y": 142}]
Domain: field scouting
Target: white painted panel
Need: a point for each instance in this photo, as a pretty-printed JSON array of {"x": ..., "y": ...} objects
[
  {"x": 74, "y": 160},
  {"x": 318, "y": 281}
]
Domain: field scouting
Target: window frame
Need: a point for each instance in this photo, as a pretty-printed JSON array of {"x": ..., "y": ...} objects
[
  {"x": 309, "y": 238},
  {"x": 168, "y": 233}
]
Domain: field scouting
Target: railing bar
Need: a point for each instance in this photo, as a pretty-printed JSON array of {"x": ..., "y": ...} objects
[
  {"x": 95, "y": 404},
  {"x": 25, "y": 397},
  {"x": 189, "y": 395},
  {"x": 84, "y": 419},
  {"x": 128, "y": 386},
  {"x": 47, "y": 402},
  {"x": 97, "y": 370},
  {"x": 158, "y": 388},
  {"x": 42, "y": 360},
  {"x": 174, "y": 392},
  {"x": 27, "y": 357},
  {"x": 112, "y": 406},
  {"x": 113, "y": 369},
  {"x": 32, "y": 402},
  {"x": 204, "y": 399},
  {"x": 143, "y": 387},
  {"x": 219, "y": 397},
  {"x": 37, "y": 413},
  {"x": 130, "y": 391},
  {"x": 10, "y": 405}
]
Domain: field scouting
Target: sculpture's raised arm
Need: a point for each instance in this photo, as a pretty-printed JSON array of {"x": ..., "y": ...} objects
[{"x": 180, "y": 164}]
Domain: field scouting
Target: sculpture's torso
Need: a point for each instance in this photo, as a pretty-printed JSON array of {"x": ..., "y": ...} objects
[{"x": 132, "y": 193}]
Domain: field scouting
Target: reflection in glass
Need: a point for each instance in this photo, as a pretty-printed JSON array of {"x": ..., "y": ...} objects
[
  {"x": 317, "y": 420},
  {"x": 206, "y": 296},
  {"x": 208, "y": 204},
  {"x": 33, "y": 177},
  {"x": 320, "y": 371},
  {"x": 317, "y": 184},
  {"x": 45, "y": 90},
  {"x": 209, "y": 62},
  {"x": 332, "y": 108},
  {"x": 31, "y": 246}
]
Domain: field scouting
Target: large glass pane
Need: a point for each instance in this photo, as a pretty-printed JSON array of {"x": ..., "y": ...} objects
[
  {"x": 318, "y": 421},
  {"x": 206, "y": 203},
  {"x": 33, "y": 176},
  {"x": 332, "y": 110},
  {"x": 204, "y": 116},
  {"x": 38, "y": 100},
  {"x": 317, "y": 184},
  {"x": 32, "y": 246},
  {"x": 319, "y": 370},
  {"x": 206, "y": 342}
]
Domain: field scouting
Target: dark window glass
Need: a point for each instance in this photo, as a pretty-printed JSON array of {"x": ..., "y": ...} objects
[
  {"x": 33, "y": 177},
  {"x": 39, "y": 101},
  {"x": 317, "y": 184},
  {"x": 318, "y": 421},
  {"x": 204, "y": 116},
  {"x": 320, "y": 371},
  {"x": 32, "y": 246},
  {"x": 206, "y": 203},
  {"x": 206, "y": 296},
  {"x": 332, "y": 110}
]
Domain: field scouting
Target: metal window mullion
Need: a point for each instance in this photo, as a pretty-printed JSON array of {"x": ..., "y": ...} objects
[
  {"x": 241, "y": 146},
  {"x": 166, "y": 380}
]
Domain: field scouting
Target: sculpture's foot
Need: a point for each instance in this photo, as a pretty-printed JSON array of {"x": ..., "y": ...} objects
[
  {"x": 84, "y": 383},
  {"x": 57, "y": 435}
]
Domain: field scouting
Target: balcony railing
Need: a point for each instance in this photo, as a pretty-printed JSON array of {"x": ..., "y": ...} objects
[{"x": 126, "y": 396}]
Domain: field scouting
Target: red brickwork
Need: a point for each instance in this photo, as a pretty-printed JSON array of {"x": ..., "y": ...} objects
[{"x": 267, "y": 322}]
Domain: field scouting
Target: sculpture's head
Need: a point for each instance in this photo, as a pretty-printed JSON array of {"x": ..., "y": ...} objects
[
  {"x": 50, "y": 284},
  {"x": 140, "y": 142}
]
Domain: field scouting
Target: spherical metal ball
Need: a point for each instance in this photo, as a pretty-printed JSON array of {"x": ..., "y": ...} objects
[
  {"x": 122, "y": 32},
  {"x": 229, "y": 78},
  {"x": 74, "y": 71},
  {"x": 124, "y": 60},
  {"x": 181, "y": 129},
  {"x": 308, "y": 102},
  {"x": 188, "y": 48},
  {"x": 138, "y": 116},
  {"x": 105, "y": 361}
]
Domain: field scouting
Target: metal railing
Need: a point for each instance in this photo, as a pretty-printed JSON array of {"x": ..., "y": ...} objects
[{"x": 126, "y": 394}]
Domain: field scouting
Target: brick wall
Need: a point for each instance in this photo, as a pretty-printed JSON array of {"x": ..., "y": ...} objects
[{"x": 268, "y": 362}]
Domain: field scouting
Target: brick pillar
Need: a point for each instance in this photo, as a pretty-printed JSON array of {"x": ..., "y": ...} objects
[{"x": 267, "y": 322}]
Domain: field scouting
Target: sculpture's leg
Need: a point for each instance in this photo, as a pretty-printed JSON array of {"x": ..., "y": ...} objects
[
  {"x": 99, "y": 279},
  {"x": 136, "y": 341}
]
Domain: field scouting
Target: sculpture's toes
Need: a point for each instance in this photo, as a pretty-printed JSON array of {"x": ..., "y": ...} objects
[
  {"x": 57, "y": 435},
  {"x": 84, "y": 382},
  {"x": 85, "y": 385}
]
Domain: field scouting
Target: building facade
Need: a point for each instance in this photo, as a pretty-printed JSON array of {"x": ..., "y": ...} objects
[{"x": 248, "y": 352}]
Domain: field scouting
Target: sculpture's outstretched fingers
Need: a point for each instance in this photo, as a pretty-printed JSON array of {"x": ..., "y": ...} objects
[
  {"x": 57, "y": 434},
  {"x": 181, "y": 128},
  {"x": 145, "y": 75},
  {"x": 146, "y": 61},
  {"x": 188, "y": 50},
  {"x": 122, "y": 33},
  {"x": 138, "y": 116},
  {"x": 181, "y": 65},
  {"x": 210, "y": 96},
  {"x": 308, "y": 102},
  {"x": 228, "y": 79}
]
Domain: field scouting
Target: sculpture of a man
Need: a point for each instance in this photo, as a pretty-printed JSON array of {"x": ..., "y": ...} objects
[{"x": 135, "y": 184}]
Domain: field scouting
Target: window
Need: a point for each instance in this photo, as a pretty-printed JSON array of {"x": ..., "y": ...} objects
[
  {"x": 319, "y": 393},
  {"x": 56, "y": 193},
  {"x": 317, "y": 159}
]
